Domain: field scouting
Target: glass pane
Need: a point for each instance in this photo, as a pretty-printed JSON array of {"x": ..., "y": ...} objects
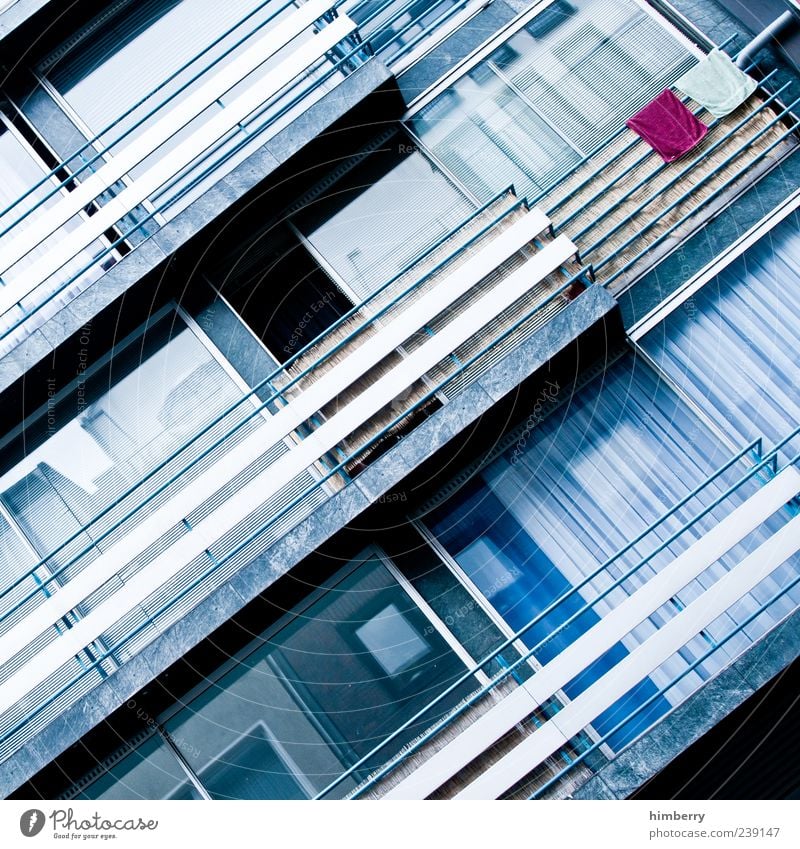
[
  {"x": 574, "y": 74},
  {"x": 588, "y": 65},
  {"x": 150, "y": 771},
  {"x": 490, "y": 138},
  {"x": 383, "y": 216},
  {"x": 319, "y": 693},
  {"x": 134, "y": 53},
  {"x": 112, "y": 428},
  {"x": 589, "y": 478}
]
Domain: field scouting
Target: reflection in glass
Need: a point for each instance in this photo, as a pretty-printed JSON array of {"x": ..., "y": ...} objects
[
  {"x": 383, "y": 216},
  {"x": 319, "y": 692},
  {"x": 15, "y": 559},
  {"x": 150, "y": 771},
  {"x": 550, "y": 94},
  {"x": 108, "y": 431}
]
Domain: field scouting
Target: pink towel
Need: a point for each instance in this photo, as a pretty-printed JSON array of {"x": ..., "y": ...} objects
[{"x": 668, "y": 126}]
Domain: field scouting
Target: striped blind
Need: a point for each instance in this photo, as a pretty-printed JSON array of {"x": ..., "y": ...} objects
[
  {"x": 596, "y": 76},
  {"x": 734, "y": 347},
  {"x": 550, "y": 93}
]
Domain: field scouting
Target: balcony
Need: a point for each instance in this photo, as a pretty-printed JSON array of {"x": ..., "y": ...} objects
[
  {"x": 626, "y": 209},
  {"x": 515, "y": 738},
  {"x": 214, "y": 109},
  {"x": 157, "y": 141},
  {"x": 203, "y": 504}
]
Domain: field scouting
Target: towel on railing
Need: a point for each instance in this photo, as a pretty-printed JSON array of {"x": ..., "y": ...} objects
[
  {"x": 667, "y": 126},
  {"x": 717, "y": 84}
]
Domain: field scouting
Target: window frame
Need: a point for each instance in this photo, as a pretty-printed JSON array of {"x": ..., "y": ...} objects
[{"x": 372, "y": 551}]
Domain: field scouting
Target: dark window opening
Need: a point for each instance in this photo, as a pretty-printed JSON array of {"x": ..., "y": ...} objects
[{"x": 285, "y": 298}]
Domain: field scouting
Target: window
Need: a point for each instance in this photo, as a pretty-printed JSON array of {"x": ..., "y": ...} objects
[
  {"x": 382, "y": 216},
  {"x": 125, "y": 57},
  {"x": 319, "y": 691},
  {"x": 109, "y": 429},
  {"x": 149, "y": 771}
]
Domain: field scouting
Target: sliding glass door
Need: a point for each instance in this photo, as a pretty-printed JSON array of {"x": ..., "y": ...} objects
[
  {"x": 319, "y": 692},
  {"x": 549, "y": 511},
  {"x": 557, "y": 88},
  {"x": 734, "y": 346}
]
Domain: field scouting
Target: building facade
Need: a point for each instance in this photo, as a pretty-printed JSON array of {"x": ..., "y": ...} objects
[{"x": 399, "y": 398}]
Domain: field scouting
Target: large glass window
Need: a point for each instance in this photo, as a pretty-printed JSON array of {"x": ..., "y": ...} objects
[
  {"x": 382, "y": 216},
  {"x": 734, "y": 346},
  {"x": 149, "y": 771},
  {"x": 590, "y": 478},
  {"x": 127, "y": 56},
  {"x": 550, "y": 94},
  {"x": 319, "y": 692},
  {"x": 110, "y": 428}
]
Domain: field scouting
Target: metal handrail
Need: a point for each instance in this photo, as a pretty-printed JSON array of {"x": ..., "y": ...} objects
[
  {"x": 668, "y": 686},
  {"x": 334, "y": 69},
  {"x": 716, "y": 193}
]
